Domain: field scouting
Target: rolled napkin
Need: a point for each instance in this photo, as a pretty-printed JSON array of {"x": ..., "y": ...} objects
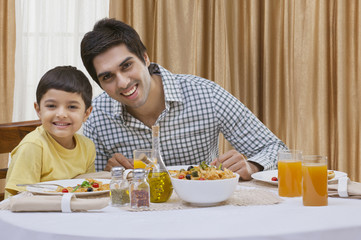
[
  {"x": 344, "y": 187},
  {"x": 27, "y": 202},
  {"x": 95, "y": 175}
]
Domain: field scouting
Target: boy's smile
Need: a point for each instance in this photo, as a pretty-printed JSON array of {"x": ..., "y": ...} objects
[{"x": 62, "y": 114}]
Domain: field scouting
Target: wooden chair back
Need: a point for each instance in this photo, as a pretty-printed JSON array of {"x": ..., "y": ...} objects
[{"x": 10, "y": 136}]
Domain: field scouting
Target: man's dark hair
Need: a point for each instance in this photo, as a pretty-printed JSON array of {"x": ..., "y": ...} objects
[
  {"x": 108, "y": 33},
  {"x": 68, "y": 79}
]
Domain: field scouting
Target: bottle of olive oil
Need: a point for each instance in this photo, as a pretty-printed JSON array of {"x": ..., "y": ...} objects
[{"x": 161, "y": 187}]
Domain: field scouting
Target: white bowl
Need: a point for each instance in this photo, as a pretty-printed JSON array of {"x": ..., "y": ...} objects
[{"x": 205, "y": 192}]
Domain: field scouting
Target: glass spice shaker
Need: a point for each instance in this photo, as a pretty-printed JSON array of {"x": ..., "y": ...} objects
[
  {"x": 119, "y": 188},
  {"x": 139, "y": 190}
]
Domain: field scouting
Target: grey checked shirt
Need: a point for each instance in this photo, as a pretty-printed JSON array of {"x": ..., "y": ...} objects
[{"x": 197, "y": 110}]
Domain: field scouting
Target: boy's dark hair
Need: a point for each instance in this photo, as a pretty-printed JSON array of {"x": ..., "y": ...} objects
[
  {"x": 108, "y": 33},
  {"x": 68, "y": 79}
]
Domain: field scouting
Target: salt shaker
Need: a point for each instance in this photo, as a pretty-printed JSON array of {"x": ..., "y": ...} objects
[
  {"x": 119, "y": 188},
  {"x": 139, "y": 190}
]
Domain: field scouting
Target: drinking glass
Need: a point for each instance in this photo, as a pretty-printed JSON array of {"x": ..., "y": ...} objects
[
  {"x": 314, "y": 180},
  {"x": 290, "y": 173},
  {"x": 142, "y": 158}
]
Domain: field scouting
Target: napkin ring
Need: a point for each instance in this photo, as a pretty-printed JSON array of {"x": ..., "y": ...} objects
[
  {"x": 342, "y": 187},
  {"x": 65, "y": 202}
]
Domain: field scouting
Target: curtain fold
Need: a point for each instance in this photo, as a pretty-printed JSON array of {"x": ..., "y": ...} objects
[
  {"x": 7, "y": 58},
  {"x": 295, "y": 64},
  {"x": 7, "y": 72}
]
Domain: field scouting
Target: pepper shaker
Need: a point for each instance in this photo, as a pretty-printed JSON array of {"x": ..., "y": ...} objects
[{"x": 139, "y": 190}]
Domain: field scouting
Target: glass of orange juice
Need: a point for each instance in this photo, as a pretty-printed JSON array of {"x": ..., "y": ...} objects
[
  {"x": 142, "y": 158},
  {"x": 314, "y": 180},
  {"x": 290, "y": 173}
]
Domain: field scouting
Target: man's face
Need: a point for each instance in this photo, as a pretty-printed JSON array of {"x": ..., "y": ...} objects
[{"x": 123, "y": 76}]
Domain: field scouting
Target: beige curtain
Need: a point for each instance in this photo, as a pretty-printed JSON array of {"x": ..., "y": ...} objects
[
  {"x": 7, "y": 58},
  {"x": 7, "y": 72},
  {"x": 326, "y": 72},
  {"x": 295, "y": 64}
]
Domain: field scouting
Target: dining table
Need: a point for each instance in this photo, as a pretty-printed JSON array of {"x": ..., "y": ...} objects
[{"x": 288, "y": 219}]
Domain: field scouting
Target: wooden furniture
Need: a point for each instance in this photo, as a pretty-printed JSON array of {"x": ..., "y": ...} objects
[{"x": 10, "y": 136}]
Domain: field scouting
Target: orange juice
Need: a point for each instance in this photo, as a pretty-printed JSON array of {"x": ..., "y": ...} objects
[
  {"x": 142, "y": 157},
  {"x": 290, "y": 178},
  {"x": 139, "y": 164},
  {"x": 314, "y": 185}
]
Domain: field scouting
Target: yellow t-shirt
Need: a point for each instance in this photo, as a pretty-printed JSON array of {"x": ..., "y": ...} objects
[{"x": 39, "y": 158}]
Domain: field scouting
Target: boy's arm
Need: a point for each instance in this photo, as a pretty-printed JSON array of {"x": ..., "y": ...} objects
[{"x": 25, "y": 168}]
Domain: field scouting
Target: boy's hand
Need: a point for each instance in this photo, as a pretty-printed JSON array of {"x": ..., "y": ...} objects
[
  {"x": 237, "y": 163},
  {"x": 118, "y": 160}
]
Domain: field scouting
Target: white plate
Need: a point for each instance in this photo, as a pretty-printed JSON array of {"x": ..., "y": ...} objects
[
  {"x": 266, "y": 176},
  {"x": 178, "y": 167},
  {"x": 65, "y": 183}
]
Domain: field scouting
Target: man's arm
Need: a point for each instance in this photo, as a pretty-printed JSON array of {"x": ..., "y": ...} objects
[
  {"x": 101, "y": 157},
  {"x": 247, "y": 134}
]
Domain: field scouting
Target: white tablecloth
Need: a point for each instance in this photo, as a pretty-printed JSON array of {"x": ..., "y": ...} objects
[{"x": 341, "y": 219}]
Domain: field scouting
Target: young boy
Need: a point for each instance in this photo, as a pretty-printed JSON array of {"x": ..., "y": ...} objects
[{"x": 54, "y": 150}]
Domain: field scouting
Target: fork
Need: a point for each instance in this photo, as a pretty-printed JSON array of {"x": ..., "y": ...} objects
[{"x": 40, "y": 185}]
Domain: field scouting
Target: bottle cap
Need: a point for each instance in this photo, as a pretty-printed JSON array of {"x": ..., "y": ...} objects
[
  {"x": 117, "y": 171},
  {"x": 138, "y": 173}
]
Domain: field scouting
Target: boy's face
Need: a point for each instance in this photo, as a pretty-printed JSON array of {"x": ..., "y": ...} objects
[
  {"x": 123, "y": 76},
  {"x": 62, "y": 114}
]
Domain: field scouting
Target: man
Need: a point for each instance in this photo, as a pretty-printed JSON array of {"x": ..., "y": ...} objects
[{"x": 191, "y": 111}]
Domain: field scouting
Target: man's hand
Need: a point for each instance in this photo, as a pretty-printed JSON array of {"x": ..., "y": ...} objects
[
  {"x": 118, "y": 160},
  {"x": 237, "y": 163}
]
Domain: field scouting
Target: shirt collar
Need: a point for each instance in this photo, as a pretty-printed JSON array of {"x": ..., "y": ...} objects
[
  {"x": 117, "y": 109},
  {"x": 172, "y": 89}
]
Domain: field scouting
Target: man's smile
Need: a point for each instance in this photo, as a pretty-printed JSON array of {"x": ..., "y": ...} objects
[{"x": 131, "y": 91}]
